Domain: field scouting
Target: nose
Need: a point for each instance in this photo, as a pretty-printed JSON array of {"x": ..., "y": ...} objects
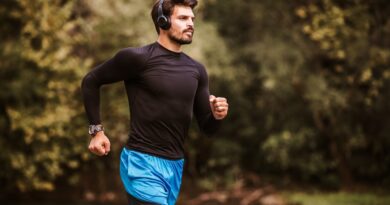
[{"x": 190, "y": 23}]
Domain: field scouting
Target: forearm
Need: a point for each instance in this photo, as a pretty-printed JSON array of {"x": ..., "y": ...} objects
[
  {"x": 90, "y": 89},
  {"x": 110, "y": 71},
  {"x": 209, "y": 125}
]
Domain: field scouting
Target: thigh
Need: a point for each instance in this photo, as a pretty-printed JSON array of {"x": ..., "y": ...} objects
[
  {"x": 141, "y": 180},
  {"x": 134, "y": 201}
]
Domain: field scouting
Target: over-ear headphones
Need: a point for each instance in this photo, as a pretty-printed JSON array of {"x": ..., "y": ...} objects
[{"x": 162, "y": 21}]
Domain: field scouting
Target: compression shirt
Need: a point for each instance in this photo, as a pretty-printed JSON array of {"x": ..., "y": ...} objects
[{"x": 164, "y": 89}]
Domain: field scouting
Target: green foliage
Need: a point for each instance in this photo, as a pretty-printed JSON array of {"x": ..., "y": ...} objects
[
  {"x": 355, "y": 62},
  {"x": 307, "y": 84},
  {"x": 40, "y": 74},
  {"x": 312, "y": 102},
  {"x": 283, "y": 146}
]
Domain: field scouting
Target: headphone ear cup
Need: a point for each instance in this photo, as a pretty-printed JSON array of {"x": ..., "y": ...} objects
[{"x": 163, "y": 22}]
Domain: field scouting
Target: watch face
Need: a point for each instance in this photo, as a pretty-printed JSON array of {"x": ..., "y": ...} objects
[{"x": 93, "y": 129}]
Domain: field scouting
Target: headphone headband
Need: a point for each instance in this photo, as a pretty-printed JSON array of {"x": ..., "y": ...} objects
[{"x": 160, "y": 10}]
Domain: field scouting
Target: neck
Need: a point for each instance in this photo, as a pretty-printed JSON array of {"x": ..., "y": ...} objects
[{"x": 168, "y": 43}]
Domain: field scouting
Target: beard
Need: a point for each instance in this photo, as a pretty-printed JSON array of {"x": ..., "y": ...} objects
[{"x": 174, "y": 36}]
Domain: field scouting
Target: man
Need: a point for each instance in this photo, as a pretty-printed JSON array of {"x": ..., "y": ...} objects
[{"x": 165, "y": 87}]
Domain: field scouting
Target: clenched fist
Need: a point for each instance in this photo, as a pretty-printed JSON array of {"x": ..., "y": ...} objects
[
  {"x": 100, "y": 144},
  {"x": 219, "y": 107}
]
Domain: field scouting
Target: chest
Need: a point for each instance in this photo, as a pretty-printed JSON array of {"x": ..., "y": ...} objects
[{"x": 170, "y": 81}]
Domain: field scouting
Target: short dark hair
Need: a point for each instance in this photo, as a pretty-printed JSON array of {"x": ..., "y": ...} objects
[{"x": 167, "y": 8}]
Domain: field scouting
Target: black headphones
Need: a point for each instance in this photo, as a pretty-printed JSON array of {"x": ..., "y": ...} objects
[{"x": 162, "y": 21}]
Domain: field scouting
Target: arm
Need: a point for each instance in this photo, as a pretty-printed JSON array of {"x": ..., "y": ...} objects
[
  {"x": 209, "y": 110},
  {"x": 121, "y": 67}
]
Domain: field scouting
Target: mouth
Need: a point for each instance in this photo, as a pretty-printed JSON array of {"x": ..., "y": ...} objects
[{"x": 189, "y": 32}]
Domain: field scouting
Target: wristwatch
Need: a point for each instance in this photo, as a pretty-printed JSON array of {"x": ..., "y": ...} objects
[{"x": 93, "y": 129}]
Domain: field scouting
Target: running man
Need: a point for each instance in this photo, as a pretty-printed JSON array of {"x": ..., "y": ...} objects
[{"x": 165, "y": 88}]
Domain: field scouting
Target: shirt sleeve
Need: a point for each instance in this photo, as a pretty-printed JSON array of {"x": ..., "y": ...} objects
[
  {"x": 204, "y": 116},
  {"x": 125, "y": 65}
]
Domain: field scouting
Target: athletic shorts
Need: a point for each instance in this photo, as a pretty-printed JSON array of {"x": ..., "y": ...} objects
[{"x": 150, "y": 178}]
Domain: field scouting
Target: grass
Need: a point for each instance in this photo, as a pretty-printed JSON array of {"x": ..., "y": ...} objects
[{"x": 341, "y": 198}]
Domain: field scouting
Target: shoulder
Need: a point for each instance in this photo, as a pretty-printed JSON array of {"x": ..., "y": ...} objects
[
  {"x": 203, "y": 77},
  {"x": 194, "y": 62},
  {"x": 137, "y": 54}
]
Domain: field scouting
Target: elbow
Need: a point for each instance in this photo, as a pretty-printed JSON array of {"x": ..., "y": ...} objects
[
  {"x": 209, "y": 125},
  {"x": 88, "y": 83}
]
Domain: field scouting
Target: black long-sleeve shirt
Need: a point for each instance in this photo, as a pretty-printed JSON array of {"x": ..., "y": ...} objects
[{"x": 164, "y": 89}]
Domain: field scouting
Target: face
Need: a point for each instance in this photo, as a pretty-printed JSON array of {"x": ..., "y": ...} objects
[{"x": 182, "y": 25}]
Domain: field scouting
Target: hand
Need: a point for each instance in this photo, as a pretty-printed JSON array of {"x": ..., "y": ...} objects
[
  {"x": 219, "y": 107},
  {"x": 100, "y": 144}
]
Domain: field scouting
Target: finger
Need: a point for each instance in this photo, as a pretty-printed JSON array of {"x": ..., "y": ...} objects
[
  {"x": 218, "y": 108},
  {"x": 107, "y": 147},
  {"x": 98, "y": 153},
  {"x": 221, "y": 115},
  {"x": 101, "y": 150},
  {"x": 94, "y": 151},
  {"x": 222, "y": 104},
  {"x": 220, "y": 99},
  {"x": 97, "y": 150},
  {"x": 90, "y": 146},
  {"x": 221, "y": 109},
  {"x": 220, "y": 112},
  {"x": 212, "y": 98}
]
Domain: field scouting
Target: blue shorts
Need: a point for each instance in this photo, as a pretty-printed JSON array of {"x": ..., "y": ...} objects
[{"x": 150, "y": 178}]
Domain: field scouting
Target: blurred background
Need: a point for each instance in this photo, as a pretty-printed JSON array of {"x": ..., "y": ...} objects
[{"x": 308, "y": 84}]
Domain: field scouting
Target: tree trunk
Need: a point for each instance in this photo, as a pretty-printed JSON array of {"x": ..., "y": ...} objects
[
  {"x": 342, "y": 165},
  {"x": 336, "y": 149}
]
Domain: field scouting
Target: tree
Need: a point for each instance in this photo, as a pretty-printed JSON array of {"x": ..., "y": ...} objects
[
  {"x": 315, "y": 90},
  {"x": 354, "y": 61},
  {"x": 40, "y": 70}
]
